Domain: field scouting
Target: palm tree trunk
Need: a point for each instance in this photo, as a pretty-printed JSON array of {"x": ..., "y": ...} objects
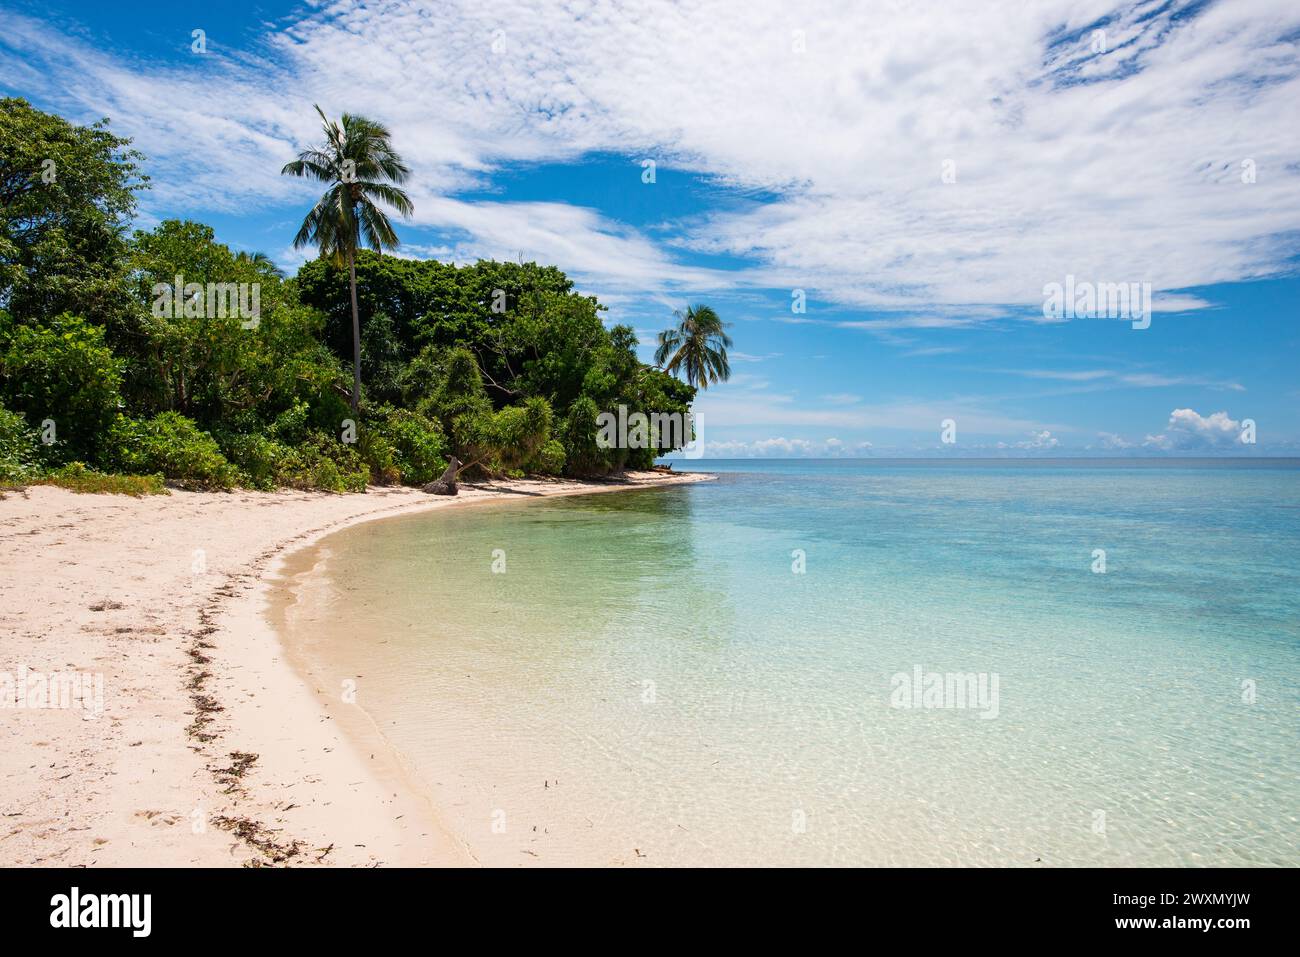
[{"x": 356, "y": 336}]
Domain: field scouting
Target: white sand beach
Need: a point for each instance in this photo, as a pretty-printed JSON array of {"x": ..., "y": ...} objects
[{"x": 210, "y": 750}]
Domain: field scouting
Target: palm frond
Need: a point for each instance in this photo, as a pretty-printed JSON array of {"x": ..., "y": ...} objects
[
  {"x": 391, "y": 195},
  {"x": 357, "y": 159},
  {"x": 696, "y": 348}
]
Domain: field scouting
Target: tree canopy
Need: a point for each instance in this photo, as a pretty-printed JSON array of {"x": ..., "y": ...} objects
[{"x": 67, "y": 195}]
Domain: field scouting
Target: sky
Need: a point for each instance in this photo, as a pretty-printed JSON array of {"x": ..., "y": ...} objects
[{"x": 877, "y": 196}]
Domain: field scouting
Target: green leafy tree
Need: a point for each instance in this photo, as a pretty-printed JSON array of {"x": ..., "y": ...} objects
[
  {"x": 67, "y": 194},
  {"x": 578, "y": 435},
  {"x": 554, "y": 342},
  {"x": 446, "y": 384},
  {"x": 382, "y": 360},
  {"x": 227, "y": 372},
  {"x": 433, "y": 304},
  {"x": 658, "y": 392},
  {"x": 360, "y": 166},
  {"x": 696, "y": 348}
]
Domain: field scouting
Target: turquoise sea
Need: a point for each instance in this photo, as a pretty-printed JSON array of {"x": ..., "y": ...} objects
[{"x": 717, "y": 673}]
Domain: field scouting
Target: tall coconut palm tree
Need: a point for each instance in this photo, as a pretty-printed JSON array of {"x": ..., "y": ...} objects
[
  {"x": 360, "y": 165},
  {"x": 696, "y": 348}
]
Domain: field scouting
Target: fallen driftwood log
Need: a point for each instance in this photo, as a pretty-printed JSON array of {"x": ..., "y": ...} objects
[{"x": 447, "y": 484}]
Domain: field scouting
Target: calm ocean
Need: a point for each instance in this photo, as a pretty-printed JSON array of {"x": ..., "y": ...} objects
[{"x": 843, "y": 662}]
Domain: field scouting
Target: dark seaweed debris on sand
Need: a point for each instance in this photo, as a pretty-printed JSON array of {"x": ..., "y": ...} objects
[{"x": 262, "y": 838}]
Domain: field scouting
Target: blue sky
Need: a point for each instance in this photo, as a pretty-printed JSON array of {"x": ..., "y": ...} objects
[{"x": 920, "y": 172}]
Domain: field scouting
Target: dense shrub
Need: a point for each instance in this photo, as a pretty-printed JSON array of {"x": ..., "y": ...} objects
[
  {"x": 291, "y": 426},
  {"x": 257, "y": 457},
  {"x": 548, "y": 460},
  {"x": 380, "y": 457},
  {"x": 173, "y": 445},
  {"x": 504, "y": 440},
  {"x": 319, "y": 461},
  {"x": 18, "y": 453},
  {"x": 419, "y": 447},
  {"x": 61, "y": 370},
  {"x": 323, "y": 462}
]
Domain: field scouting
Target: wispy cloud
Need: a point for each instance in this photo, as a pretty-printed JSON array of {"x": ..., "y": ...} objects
[
  {"x": 932, "y": 351},
  {"x": 782, "y": 447},
  {"x": 770, "y": 409},
  {"x": 1138, "y": 380},
  {"x": 912, "y": 156}
]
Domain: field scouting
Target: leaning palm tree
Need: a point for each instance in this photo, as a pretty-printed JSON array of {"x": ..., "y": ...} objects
[
  {"x": 359, "y": 163},
  {"x": 696, "y": 348}
]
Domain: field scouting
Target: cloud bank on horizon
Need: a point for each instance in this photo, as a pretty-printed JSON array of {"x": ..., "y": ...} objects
[{"x": 917, "y": 168}]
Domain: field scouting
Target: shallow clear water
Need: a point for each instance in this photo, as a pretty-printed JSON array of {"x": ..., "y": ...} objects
[{"x": 649, "y": 681}]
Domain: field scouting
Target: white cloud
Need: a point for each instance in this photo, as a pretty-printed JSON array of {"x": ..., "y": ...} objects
[
  {"x": 1055, "y": 149},
  {"x": 1188, "y": 430},
  {"x": 781, "y": 447},
  {"x": 1142, "y": 380},
  {"x": 587, "y": 245},
  {"x": 1039, "y": 440}
]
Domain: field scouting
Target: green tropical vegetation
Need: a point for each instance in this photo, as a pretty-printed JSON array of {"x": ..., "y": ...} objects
[{"x": 362, "y": 368}]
